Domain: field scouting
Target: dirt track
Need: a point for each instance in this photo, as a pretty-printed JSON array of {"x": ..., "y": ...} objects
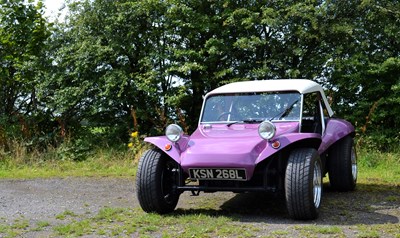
[{"x": 42, "y": 199}]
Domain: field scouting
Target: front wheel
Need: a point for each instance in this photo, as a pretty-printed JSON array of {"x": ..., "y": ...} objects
[
  {"x": 303, "y": 184},
  {"x": 156, "y": 182}
]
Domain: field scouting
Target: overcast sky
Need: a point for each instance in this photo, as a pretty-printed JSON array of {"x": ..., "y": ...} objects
[{"x": 53, "y": 8}]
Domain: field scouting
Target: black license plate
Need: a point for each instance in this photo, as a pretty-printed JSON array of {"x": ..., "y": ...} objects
[{"x": 217, "y": 174}]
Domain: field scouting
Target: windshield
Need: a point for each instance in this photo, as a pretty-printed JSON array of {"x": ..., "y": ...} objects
[{"x": 252, "y": 107}]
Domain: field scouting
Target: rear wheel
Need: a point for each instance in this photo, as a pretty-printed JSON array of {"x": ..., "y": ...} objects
[
  {"x": 156, "y": 182},
  {"x": 342, "y": 165},
  {"x": 303, "y": 184}
]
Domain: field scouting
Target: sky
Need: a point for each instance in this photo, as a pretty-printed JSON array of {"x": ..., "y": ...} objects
[{"x": 53, "y": 8}]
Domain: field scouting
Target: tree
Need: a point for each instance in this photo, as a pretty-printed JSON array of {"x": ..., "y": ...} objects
[
  {"x": 138, "y": 65},
  {"x": 364, "y": 67},
  {"x": 109, "y": 65},
  {"x": 23, "y": 35}
]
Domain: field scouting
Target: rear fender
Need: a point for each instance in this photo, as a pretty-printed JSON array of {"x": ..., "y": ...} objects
[
  {"x": 293, "y": 140},
  {"x": 336, "y": 129},
  {"x": 176, "y": 148}
]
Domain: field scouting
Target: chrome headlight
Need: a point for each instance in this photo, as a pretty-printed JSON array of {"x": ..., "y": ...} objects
[
  {"x": 266, "y": 130},
  {"x": 173, "y": 132}
]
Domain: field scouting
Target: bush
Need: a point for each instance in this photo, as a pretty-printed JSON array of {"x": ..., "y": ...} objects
[{"x": 384, "y": 141}]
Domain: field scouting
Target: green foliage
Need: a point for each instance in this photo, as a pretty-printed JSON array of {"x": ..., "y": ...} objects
[
  {"x": 76, "y": 150},
  {"x": 365, "y": 70},
  {"x": 23, "y": 63},
  {"x": 139, "y": 65},
  {"x": 106, "y": 66}
]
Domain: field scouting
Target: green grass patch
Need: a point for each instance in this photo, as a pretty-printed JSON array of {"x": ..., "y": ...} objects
[
  {"x": 380, "y": 230},
  {"x": 15, "y": 229},
  {"x": 64, "y": 215},
  {"x": 75, "y": 228},
  {"x": 279, "y": 233},
  {"x": 124, "y": 222},
  {"x": 20, "y": 224},
  {"x": 377, "y": 167},
  {"x": 41, "y": 225},
  {"x": 127, "y": 222},
  {"x": 315, "y": 229},
  {"x": 100, "y": 163}
]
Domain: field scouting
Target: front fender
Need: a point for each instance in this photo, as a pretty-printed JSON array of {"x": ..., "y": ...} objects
[
  {"x": 312, "y": 140},
  {"x": 176, "y": 150}
]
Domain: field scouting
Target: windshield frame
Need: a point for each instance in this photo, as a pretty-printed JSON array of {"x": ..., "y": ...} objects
[{"x": 274, "y": 118}]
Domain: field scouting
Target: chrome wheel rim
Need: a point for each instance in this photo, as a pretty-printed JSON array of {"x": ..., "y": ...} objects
[
  {"x": 317, "y": 184},
  {"x": 353, "y": 164}
]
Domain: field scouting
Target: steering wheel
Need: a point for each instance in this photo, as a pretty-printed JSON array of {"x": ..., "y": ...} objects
[{"x": 223, "y": 114}]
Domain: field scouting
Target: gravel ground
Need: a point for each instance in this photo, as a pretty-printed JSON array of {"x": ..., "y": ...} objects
[
  {"x": 43, "y": 199},
  {"x": 40, "y": 199}
]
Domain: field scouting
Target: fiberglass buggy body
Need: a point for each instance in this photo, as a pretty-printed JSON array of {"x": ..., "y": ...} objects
[{"x": 276, "y": 136}]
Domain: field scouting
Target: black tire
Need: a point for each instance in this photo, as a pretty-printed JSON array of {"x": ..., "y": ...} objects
[
  {"x": 342, "y": 165},
  {"x": 303, "y": 184},
  {"x": 156, "y": 182}
]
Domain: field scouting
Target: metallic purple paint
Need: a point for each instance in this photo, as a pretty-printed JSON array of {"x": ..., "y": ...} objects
[
  {"x": 175, "y": 151},
  {"x": 239, "y": 146},
  {"x": 286, "y": 140},
  {"x": 336, "y": 129}
]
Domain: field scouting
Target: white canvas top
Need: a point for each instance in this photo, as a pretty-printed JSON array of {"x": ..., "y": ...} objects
[{"x": 300, "y": 85}]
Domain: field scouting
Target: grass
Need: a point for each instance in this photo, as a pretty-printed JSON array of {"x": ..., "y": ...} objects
[
  {"x": 65, "y": 214},
  {"x": 377, "y": 167},
  {"x": 41, "y": 225},
  {"x": 381, "y": 230},
  {"x": 14, "y": 229},
  {"x": 127, "y": 222},
  {"x": 100, "y": 163},
  {"x": 314, "y": 229}
]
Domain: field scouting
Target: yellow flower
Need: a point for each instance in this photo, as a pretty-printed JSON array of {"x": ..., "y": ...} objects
[
  {"x": 134, "y": 134},
  {"x": 130, "y": 145}
]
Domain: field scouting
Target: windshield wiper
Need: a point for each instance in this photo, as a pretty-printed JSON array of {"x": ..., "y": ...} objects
[
  {"x": 285, "y": 112},
  {"x": 250, "y": 120}
]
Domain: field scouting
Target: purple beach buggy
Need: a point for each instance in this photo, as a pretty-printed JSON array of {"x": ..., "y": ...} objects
[{"x": 273, "y": 136}]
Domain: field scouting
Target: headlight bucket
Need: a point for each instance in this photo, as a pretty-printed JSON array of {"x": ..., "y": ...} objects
[
  {"x": 173, "y": 132},
  {"x": 266, "y": 130}
]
